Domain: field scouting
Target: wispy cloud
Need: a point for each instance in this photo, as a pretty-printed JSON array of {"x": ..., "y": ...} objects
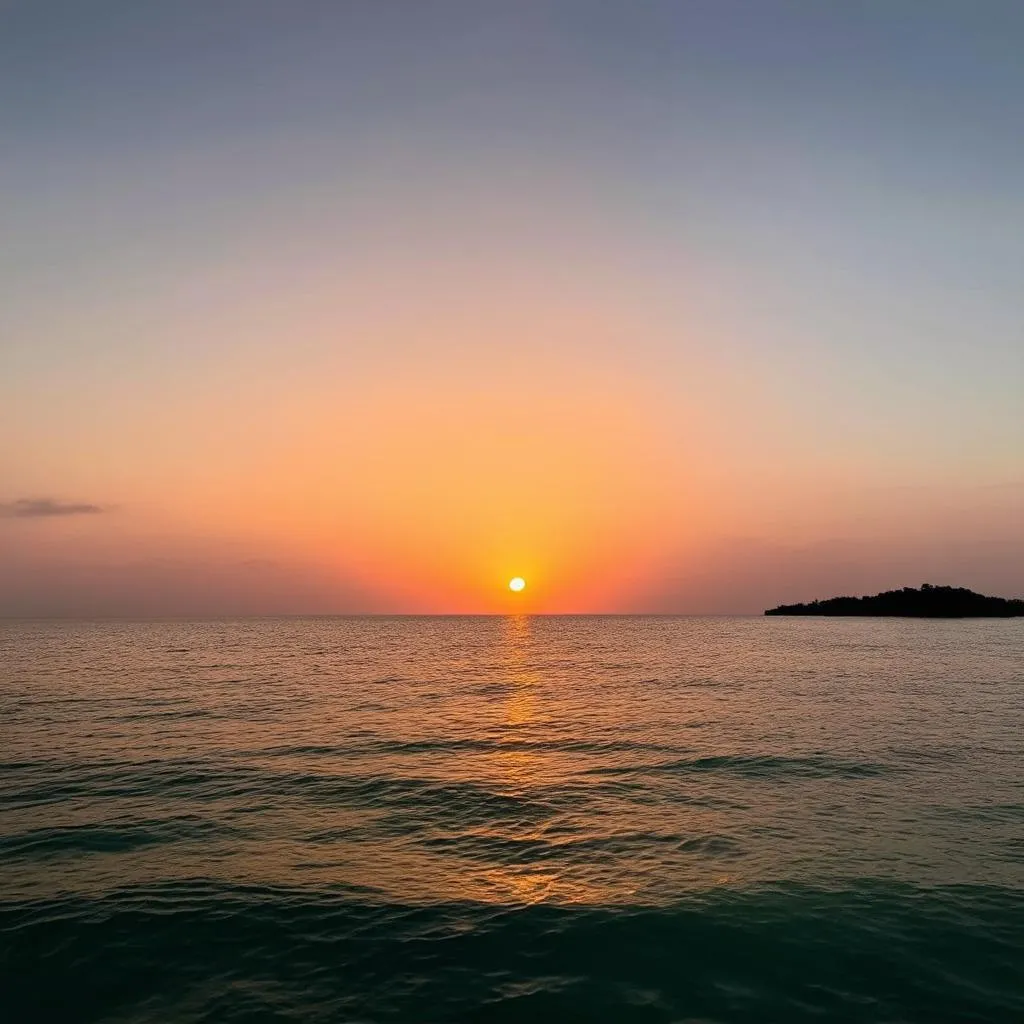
[{"x": 45, "y": 508}]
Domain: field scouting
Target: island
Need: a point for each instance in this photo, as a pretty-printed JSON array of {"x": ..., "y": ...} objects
[{"x": 930, "y": 602}]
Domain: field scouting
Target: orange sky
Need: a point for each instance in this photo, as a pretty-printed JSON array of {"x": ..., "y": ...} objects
[{"x": 369, "y": 314}]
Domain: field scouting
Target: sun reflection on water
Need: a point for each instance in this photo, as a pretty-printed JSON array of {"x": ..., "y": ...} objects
[
  {"x": 490, "y": 760},
  {"x": 523, "y": 760}
]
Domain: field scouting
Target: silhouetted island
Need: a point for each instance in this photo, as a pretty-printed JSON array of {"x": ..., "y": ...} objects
[{"x": 929, "y": 602}]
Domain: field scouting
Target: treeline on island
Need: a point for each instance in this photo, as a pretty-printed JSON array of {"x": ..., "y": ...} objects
[{"x": 928, "y": 602}]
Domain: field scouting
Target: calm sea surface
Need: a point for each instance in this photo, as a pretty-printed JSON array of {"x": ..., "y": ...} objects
[{"x": 487, "y": 819}]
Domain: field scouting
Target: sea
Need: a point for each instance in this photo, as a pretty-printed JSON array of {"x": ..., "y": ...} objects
[{"x": 649, "y": 819}]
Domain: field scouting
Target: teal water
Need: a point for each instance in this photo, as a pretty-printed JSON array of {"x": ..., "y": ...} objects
[{"x": 487, "y": 819}]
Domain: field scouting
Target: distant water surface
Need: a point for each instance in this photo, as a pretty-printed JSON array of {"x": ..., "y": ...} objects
[{"x": 536, "y": 819}]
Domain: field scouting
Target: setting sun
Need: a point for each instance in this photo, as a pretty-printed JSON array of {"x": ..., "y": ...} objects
[{"x": 517, "y": 583}]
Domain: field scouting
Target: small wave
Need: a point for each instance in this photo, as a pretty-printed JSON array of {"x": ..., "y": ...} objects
[
  {"x": 996, "y": 814},
  {"x": 453, "y": 745},
  {"x": 754, "y": 767},
  {"x": 76, "y": 839},
  {"x": 164, "y": 716},
  {"x": 514, "y": 849}
]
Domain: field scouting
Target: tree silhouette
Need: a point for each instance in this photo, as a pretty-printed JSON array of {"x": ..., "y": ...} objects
[{"x": 929, "y": 602}]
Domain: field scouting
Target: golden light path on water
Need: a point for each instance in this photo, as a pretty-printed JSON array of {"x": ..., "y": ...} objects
[{"x": 513, "y": 759}]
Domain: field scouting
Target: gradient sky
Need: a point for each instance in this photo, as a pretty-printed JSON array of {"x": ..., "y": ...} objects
[{"x": 361, "y": 306}]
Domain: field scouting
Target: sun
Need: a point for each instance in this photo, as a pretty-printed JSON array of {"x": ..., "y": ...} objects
[{"x": 516, "y": 584}]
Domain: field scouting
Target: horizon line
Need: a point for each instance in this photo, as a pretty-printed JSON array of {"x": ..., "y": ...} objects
[{"x": 184, "y": 617}]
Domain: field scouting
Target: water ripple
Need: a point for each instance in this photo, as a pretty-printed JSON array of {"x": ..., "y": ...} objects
[{"x": 657, "y": 820}]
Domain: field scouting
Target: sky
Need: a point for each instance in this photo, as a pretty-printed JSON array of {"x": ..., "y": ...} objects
[{"x": 690, "y": 306}]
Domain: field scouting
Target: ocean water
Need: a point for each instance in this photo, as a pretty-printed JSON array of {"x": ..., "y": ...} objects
[{"x": 512, "y": 819}]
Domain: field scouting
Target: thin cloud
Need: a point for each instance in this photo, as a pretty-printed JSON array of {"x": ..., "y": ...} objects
[{"x": 46, "y": 508}]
